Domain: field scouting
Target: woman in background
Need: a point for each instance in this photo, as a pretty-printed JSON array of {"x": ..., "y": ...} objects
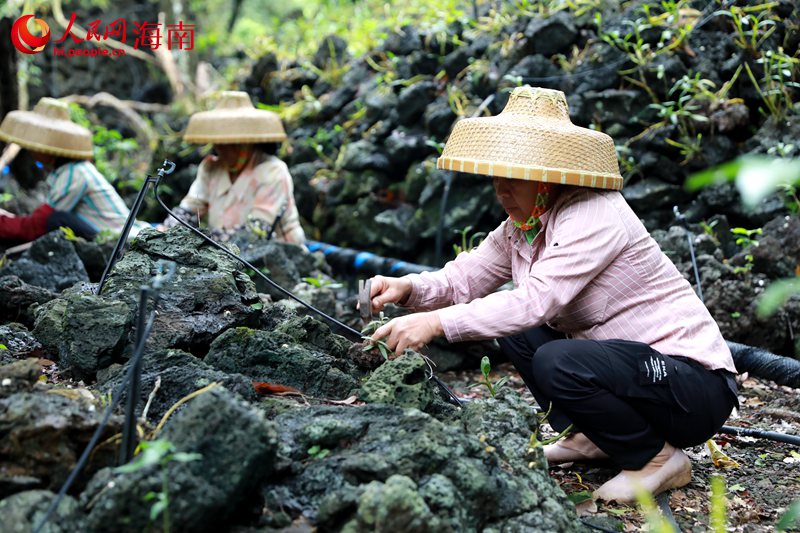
[
  {"x": 243, "y": 178},
  {"x": 78, "y": 196}
]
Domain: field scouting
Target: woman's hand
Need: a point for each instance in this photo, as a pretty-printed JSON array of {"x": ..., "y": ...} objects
[
  {"x": 388, "y": 290},
  {"x": 411, "y": 331}
]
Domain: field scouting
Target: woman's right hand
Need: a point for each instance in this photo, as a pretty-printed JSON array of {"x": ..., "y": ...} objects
[{"x": 388, "y": 290}]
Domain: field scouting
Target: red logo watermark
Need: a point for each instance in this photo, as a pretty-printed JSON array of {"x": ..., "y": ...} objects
[
  {"x": 145, "y": 35},
  {"x": 26, "y": 42}
]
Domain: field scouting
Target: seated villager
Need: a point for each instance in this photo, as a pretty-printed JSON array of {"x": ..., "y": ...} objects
[
  {"x": 243, "y": 178},
  {"x": 604, "y": 330},
  {"x": 78, "y": 196}
]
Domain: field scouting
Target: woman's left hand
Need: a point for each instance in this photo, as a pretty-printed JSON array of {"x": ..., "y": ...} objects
[{"x": 411, "y": 331}]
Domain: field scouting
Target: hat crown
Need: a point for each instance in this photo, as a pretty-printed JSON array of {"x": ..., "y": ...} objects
[
  {"x": 539, "y": 102},
  {"x": 52, "y": 108},
  {"x": 533, "y": 138},
  {"x": 48, "y": 129},
  {"x": 234, "y": 100}
]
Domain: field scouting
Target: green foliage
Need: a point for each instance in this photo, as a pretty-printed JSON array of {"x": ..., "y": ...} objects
[
  {"x": 6, "y": 197},
  {"x": 467, "y": 243},
  {"x": 112, "y": 151},
  {"x": 656, "y": 522},
  {"x": 776, "y": 295},
  {"x": 322, "y": 283},
  {"x": 158, "y": 453},
  {"x": 790, "y": 518},
  {"x": 69, "y": 233},
  {"x": 486, "y": 380},
  {"x": 718, "y": 506},
  {"x": 756, "y": 176},
  {"x": 379, "y": 345},
  {"x": 318, "y": 452}
]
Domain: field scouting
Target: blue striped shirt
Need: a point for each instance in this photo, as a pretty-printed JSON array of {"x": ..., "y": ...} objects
[{"x": 79, "y": 188}]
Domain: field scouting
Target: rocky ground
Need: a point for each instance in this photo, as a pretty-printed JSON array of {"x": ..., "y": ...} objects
[{"x": 759, "y": 490}]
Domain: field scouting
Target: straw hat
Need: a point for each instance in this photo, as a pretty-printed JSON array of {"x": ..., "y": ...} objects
[
  {"x": 234, "y": 120},
  {"x": 47, "y": 129},
  {"x": 533, "y": 139}
]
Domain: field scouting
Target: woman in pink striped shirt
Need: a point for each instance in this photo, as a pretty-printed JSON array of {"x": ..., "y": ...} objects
[{"x": 606, "y": 333}]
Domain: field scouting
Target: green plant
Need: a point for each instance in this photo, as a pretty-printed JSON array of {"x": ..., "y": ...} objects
[
  {"x": 486, "y": 380},
  {"x": 322, "y": 283},
  {"x": 790, "y": 518},
  {"x": 777, "y": 82},
  {"x": 534, "y": 441},
  {"x": 160, "y": 453},
  {"x": 380, "y": 344},
  {"x": 744, "y": 237},
  {"x": 69, "y": 233},
  {"x": 467, "y": 243},
  {"x": 318, "y": 452},
  {"x": 112, "y": 151},
  {"x": 752, "y": 25}
]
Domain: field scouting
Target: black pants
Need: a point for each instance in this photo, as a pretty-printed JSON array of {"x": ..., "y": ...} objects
[
  {"x": 66, "y": 219},
  {"x": 626, "y": 397}
]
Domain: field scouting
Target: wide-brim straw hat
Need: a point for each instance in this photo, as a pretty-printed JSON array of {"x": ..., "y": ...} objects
[
  {"x": 533, "y": 139},
  {"x": 47, "y": 129},
  {"x": 234, "y": 120}
]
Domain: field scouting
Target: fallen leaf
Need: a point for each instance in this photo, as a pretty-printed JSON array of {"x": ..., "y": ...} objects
[
  {"x": 262, "y": 387},
  {"x": 720, "y": 458},
  {"x": 45, "y": 362}
]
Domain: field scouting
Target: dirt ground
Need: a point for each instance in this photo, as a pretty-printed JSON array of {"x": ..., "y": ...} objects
[{"x": 758, "y": 491}]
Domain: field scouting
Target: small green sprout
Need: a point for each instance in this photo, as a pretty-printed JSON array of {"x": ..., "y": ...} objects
[{"x": 486, "y": 369}]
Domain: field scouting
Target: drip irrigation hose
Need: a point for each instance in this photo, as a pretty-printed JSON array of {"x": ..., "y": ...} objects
[
  {"x": 759, "y": 362},
  {"x": 116, "y": 395},
  {"x": 277, "y": 220},
  {"x": 765, "y": 364},
  {"x": 351, "y": 333},
  {"x": 167, "y": 167},
  {"x": 682, "y": 221},
  {"x": 760, "y": 434},
  {"x": 144, "y": 324},
  {"x": 351, "y": 260}
]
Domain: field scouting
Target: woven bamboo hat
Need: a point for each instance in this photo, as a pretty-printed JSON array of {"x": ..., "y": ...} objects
[
  {"x": 533, "y": 139},
  {"x": 49, "y": 130},
  {"x": 234, "y": 120}
]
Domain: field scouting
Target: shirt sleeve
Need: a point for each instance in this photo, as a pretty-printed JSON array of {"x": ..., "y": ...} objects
[
  {"x": 470, "y": 275},
  {"x": 67, "y": 189},
  {"x": 587, "y": 236},
  {"x": 26, "y": 228},
  {"x": 196, "y": 200}
]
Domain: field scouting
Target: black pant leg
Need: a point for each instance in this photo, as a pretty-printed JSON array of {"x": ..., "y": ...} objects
[
  {"x": 620, "y": 394},
  {"x": 519, "y": 349},
  {"x": 81, "y": 228}
]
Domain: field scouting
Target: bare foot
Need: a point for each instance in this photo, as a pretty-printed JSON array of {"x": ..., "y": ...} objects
[
  {"x": 669, "y": 469},
  {"x": 576, "y": 447}
]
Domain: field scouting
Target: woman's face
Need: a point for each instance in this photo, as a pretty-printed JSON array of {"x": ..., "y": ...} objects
[
  {"x": 227, "y": 154},
  {"x": 518, "y": 197}
]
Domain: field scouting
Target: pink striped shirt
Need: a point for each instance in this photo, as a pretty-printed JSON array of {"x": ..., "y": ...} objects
[{"x": 592, "y": 272}]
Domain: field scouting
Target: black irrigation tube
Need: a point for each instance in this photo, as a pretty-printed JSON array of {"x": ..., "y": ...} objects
[
  {"x": 349, "y": 332},
  {"x": 116, "y": 395}
]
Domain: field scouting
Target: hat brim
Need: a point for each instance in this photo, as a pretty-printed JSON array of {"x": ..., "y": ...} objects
[
  {"x": 499, "y": 169},
  {"x": 46, "y": 148}
]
